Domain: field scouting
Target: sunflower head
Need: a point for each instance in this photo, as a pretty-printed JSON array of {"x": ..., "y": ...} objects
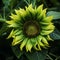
[{"x": 30, "y": 28}]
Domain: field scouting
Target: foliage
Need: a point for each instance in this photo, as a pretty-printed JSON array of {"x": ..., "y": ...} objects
[{"x": 13, "y": 53}]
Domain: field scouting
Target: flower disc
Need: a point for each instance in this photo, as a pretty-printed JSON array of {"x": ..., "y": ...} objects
[{"x": 31, "y": 28}]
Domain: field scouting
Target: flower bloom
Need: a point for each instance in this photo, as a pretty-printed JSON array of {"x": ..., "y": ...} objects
[{"x": 30, "y": 28}]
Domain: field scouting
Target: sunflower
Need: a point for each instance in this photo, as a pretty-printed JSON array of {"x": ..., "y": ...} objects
[{"x": 30, "y": 28}]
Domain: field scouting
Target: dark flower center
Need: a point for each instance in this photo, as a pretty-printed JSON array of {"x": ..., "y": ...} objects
[{"x": 31, "y": 28}]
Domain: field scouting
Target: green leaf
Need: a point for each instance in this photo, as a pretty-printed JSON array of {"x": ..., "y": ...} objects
[
  {"x": 4, "y": 29},
  {"x": 10, "y": 3},
  {"x": 41, "y": 55},
  {"x": 2, "y": 20},
  {"x": 56, "y": 15},
  {"x": 6, "y": 2},
  {"x": 55, "y": 35},
  {"x": 17, "y": 51}
]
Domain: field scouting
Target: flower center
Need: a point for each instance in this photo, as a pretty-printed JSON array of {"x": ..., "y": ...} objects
[{"x": 31, "y": 28}]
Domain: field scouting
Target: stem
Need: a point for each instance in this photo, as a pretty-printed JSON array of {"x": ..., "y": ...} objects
[
  {"x": 52, "y": 54},
  {"x": 4, "y": 12},
  {"x": 26, "y": 2},
  {"x": 2, "y": 20},
  {"x": 49, "y": 57},
  {"x": 57, "y": 58}
]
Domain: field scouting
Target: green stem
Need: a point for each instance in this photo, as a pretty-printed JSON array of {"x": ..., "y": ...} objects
[
  {"x": 49, "y": 57},
  {"x": 2, "y": 19},
  {"x": 4, "y": 12},
  {"x": 52, "y": 54},
  {"x": 57, "y": 58},
  {"x": 26, "y": 2}
]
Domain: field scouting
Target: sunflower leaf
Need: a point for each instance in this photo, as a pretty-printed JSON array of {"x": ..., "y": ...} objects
[
  {"x": 55, "y": 35},
  {"x": 4, "y": 29},
  {"x": 2, "y": 20},
  {"x": 56, "y": 15},
  {"x": 17, "y": 51},
  {"x": 37, "y": 55}
]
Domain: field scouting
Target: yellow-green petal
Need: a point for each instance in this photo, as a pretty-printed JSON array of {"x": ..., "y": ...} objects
[
  {"x": 23, "y": 44},
  {"x": 17, "y": 40},
  {"x": 44, "y": 40},
  {"x": 28, "y": 46},
  {"x": 12, "y": 24},
  {"x": 14, "y": 17},
  {"x": 49, "y": 38},
  {"x": 40, "y": 42},
  {"x": 17, "y": 12},
  {"x": 48, "y": 19},
  {"x": 19, "y": 32},
  {"x": 22, "y": 13},
  {"x": 30, "y": 8},
  {"x": 30, "y": 11},
  {"x": 48, "y": 27},
  {"x": 39, "y": 9},
  {"x": 43, "y": 14},
  {"x": 37, "y": 46},
  {"x": 46, "y": 32},
  {"x": 11, "y": 34}
]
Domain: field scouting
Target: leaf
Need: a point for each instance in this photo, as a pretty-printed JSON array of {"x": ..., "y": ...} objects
[
  {"x": 55, "y": 35},
  {"x": 3, "y": 29},
  {"x": 6, "y": 2},
  {"x": 9, "y": 3},
  {"x": 56, "y": 15},
  {"x": 41, "y": 55},
  {"x": 2, "y": 20},
  {"x": 17, "y": 51}
]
